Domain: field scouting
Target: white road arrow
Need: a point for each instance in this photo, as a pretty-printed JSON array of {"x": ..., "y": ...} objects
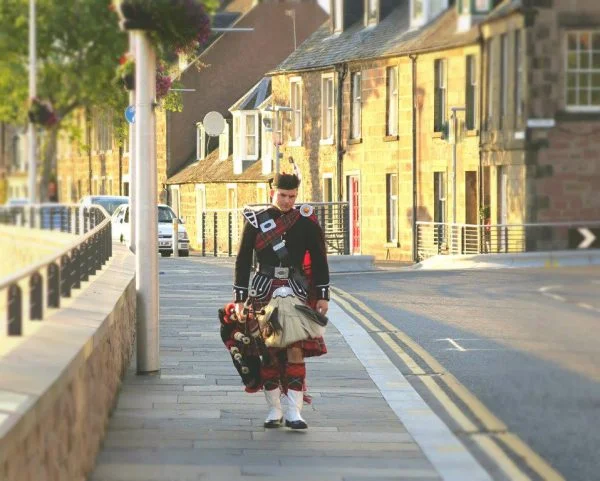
[{"x": 588, "y": 238}]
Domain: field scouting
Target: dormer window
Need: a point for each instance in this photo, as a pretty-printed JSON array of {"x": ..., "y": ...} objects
[
  {"x": 200, "y": 141},
  {"x": 337, "y": 15},
  {"x": 417, "y": 13},
  {"x": 371, "y": 12},
  {"x": 423, "y": 11},
  {"x": 224, "y": 143},
  {"x": 482, "y": 6}
]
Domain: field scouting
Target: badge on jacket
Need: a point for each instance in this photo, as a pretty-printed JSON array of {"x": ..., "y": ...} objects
[{"x": 306, "y": 210}]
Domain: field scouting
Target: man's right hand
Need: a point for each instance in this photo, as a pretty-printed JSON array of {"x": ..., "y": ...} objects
[{"x": 239, "y": 307}]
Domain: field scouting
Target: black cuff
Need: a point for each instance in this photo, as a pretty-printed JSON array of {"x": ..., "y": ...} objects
[
  {"x": 240, "y": 294},
  {"x": 323, "y": 292}
]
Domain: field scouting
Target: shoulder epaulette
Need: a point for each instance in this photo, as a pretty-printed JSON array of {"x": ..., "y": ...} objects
[{"x": 251, "y": 215}]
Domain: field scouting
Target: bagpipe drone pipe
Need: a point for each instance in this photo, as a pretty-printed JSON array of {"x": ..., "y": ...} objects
[{"x": 243, "y": 341}]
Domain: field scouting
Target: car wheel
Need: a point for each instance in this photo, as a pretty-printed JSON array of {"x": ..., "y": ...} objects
[
  {"x": 184, "y": 253},
  {"x": 165, "y": 253}
]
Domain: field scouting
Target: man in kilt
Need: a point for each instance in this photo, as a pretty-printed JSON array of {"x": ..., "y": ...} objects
[{"x": 284, "y": 238}]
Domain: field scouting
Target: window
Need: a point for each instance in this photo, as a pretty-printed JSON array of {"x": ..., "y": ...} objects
[
  {"x": 490, "y": 83},
  {"x": 327, "y": 108},
  {"x": 338, "y": 15},
  {"x": 482, "y": 5},
  {"x": 439, "y": 206},
  {"x": 392, "y": 207},
  {"x": 103, "y": 130},
  {"x": 503, "y": 78},
  {"x": 261, "y": 194},
  {"x": 417, "y": 10},
  {"x": 439, "y": 108},
  {"x": 200, "y": 141},
  {"x": 583, "y": 70},
  {"x": 296, "y": 105},
  {"x": 250, "y": 151},
  {"x": 471, "y": 93},
  {"x": 355, "y": 112},
  {"x": 518, "y": 80},
  {"x": 372, "y": 13},
  {"x": 392, "y": 101}
]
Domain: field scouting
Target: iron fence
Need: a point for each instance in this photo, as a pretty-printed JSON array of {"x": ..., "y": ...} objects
[
  {"x": 435, "y": 238},
  {"x": 220, "y": 230},
  {"x": 33, "y": 290}
]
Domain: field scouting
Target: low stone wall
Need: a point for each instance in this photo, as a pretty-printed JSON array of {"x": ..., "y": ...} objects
[{"x": 59, "y": 385}]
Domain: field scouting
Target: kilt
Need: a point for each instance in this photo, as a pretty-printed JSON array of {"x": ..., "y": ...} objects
[{"x": 311, "y": 347}]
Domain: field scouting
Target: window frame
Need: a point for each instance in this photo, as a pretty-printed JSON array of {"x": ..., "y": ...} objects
[
  {"x": 391, "y": 209},
  {"x": 296, "y": 100},
  {"x": 440, "y": 83},
  {"x": 503, "y": 100},
  {"x": 245, "y": 136},
  {"x": 224, "y": 143},
  {"x": 329, "y": 109},
  {"x": 356, "y": 105},
  {"x": 591, "y": 72},
  {"x": 372, "y": 17},
  {"x": 392, "y": 99},
  {"x": 471, "y": 92},
  {"x": 518, "y": 78}
]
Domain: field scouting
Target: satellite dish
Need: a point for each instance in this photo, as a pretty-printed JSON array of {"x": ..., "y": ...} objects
[{"x": 214, "y": 124}]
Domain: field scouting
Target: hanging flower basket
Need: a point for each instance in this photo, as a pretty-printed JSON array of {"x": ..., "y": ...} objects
[
  {"x": 163, "y": 83},
  {"x": 42, "y": 113},
  {"x": 179, "y": 26},
  {"x": 125, "y": 74}
]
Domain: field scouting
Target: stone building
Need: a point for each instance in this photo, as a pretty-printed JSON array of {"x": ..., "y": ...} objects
[
  {"x": 372, "y": 94},
  {"x": 542, "y": 111}
]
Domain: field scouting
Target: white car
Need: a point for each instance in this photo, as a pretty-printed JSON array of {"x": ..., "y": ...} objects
[
  {"x": 121, "y": 230},
  {"x": 109, "y": 202}
]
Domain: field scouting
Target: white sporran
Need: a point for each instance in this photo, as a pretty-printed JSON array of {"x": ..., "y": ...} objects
[{"x": 282, "y": 324}]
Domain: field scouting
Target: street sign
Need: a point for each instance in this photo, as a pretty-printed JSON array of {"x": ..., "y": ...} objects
[
  {"x": 584, "y": 238},
  {"x": 130, "y": 114}
]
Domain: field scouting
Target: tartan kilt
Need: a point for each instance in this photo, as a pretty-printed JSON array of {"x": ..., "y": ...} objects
[{"x": 311, "y": 347}]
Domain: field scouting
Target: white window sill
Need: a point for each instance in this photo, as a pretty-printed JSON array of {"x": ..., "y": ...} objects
[
  {"x": 294, "y": 143},
  {"x": 326, "y": 141}
]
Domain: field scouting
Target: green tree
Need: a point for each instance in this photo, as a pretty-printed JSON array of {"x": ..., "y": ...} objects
[{"x": 78, "y": 47}]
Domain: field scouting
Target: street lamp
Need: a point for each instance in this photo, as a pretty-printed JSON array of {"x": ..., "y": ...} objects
[
  {"x": 292, "y": 13},
  {"x": 278, "y": 125}
]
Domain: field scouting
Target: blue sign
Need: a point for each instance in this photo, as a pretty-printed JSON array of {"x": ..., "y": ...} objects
[{"x": 130, "y": 114}]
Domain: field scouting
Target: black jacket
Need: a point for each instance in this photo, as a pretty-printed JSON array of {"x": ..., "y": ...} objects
[{"x": 305, "y": 235}]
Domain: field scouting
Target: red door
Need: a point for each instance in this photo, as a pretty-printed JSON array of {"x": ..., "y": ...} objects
[{"x": 354, "y": 196}]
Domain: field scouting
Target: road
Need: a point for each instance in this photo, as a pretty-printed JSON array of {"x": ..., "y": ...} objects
[{"x": 524, "y": 342}]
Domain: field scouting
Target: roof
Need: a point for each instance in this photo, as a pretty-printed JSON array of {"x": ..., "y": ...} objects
[
  {"x": 213, "y": 170},
  {"x": 391, "y": 37},
  {"x": 255, "y": 97},
  {"x": 232, "y": 64}
]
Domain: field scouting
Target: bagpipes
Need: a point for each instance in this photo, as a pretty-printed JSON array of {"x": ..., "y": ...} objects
[{"x": 243, "y": 341}]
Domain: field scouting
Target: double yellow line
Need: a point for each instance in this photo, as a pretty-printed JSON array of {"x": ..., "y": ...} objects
[{"x": 479, "y": 423}]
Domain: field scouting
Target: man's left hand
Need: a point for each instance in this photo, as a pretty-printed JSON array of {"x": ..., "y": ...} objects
[{"x": 322, "y": 306}]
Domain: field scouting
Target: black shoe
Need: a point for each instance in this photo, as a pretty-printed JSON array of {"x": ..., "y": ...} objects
[
  {"x": 296, "y": 424},
  {"x": 273, "y": 423}
]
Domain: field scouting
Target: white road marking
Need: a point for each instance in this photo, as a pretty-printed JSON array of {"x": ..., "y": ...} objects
[
  {"x": 455, "y": 344},
  {"x": 585, "y": 306},
  {"x": 545, "y": 291}
]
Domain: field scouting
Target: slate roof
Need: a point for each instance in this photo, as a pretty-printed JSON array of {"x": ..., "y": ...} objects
[
  {"x": 213, "y": 170},
  {"x": 232, "y": 64},
  {"x": 255, "y": 96},
  {"x": 391, "y": 37}
]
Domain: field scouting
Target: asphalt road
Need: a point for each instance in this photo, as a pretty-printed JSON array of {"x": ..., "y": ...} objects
[{"x": 525, "y": 342}]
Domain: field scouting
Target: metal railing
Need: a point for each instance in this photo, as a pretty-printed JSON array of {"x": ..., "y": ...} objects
[
  {"x": 34, "y": 289},
  {"x": 220, "y": 230},
  {"x": 435, "y": 238}
]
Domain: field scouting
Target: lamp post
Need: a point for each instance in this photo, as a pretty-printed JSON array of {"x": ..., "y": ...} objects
[
  {"x": 31, "y": 137},
  {"x": 292, "y": 14},
  {"x": 132, "y": 158},
  {"x": 146, "y": 216}
]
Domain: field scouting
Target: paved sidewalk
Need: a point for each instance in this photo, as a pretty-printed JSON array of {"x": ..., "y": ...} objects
[{"x": 194, "y": 422}]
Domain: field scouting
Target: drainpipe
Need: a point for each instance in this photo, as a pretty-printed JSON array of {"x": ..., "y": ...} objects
[
  {"x": 482, "y": 82},
  {"x": 342, "y": 71},
  {"x": 413, "y": 57}
]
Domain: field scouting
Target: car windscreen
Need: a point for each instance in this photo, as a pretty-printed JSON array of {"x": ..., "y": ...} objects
[
  {"x": 110, "y": 204},
  {"x": 165, "y": 214}
]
